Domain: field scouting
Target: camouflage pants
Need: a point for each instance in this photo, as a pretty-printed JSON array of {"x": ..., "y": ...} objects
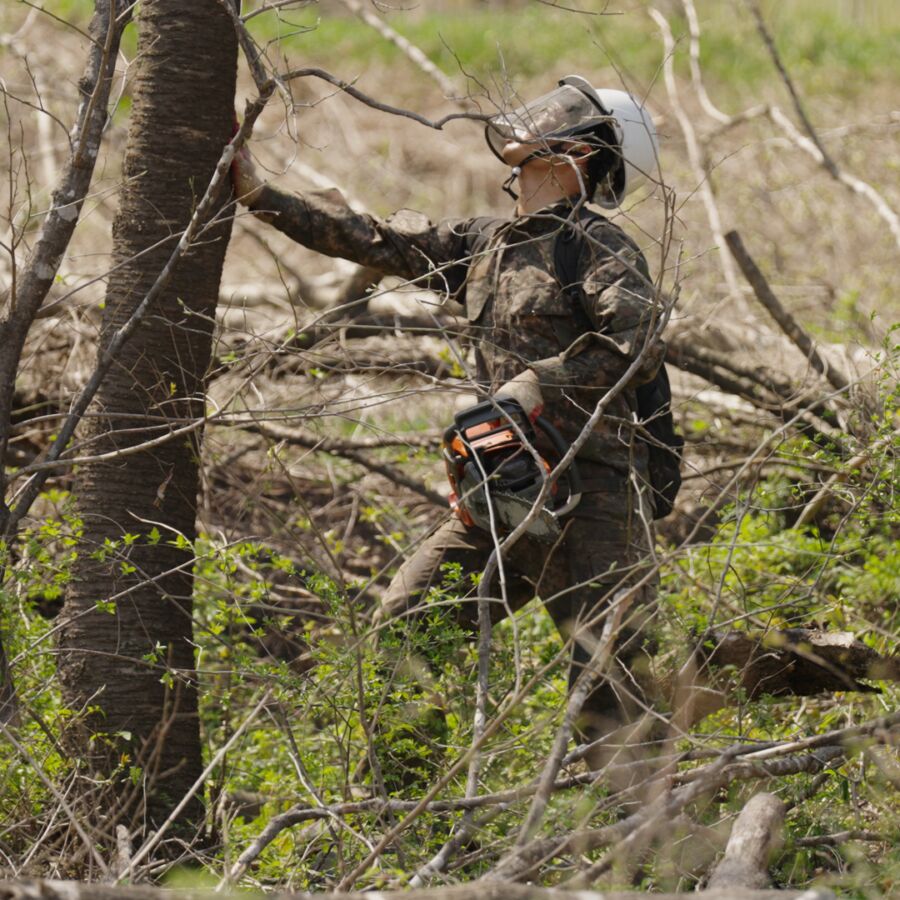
[{"x": 603, "y": 550}]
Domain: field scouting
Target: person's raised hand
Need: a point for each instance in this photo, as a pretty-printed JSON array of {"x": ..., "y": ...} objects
[{"x": 245, "y": 178}]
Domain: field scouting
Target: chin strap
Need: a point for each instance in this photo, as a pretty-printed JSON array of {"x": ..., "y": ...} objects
[
  {"x": 507, "y": 185},
  {"x": 516, "y": 171}
]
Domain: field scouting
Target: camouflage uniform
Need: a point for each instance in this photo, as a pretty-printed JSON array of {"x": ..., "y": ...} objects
[{"x": 502, "y": 272}]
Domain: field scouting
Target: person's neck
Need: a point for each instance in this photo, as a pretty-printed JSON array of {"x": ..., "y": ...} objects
[{"x": 539, "y": 189}]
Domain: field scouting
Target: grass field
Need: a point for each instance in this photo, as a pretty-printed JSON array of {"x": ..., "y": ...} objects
[{"x": 833, "y": 46}]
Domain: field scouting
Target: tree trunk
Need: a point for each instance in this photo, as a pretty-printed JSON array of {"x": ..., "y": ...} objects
[{"x": 126, "y": 666}]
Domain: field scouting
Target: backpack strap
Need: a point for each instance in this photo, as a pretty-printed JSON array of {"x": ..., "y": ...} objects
[
  {"x": 569, "y": 246},
  {"x": 654, "y": 399}
]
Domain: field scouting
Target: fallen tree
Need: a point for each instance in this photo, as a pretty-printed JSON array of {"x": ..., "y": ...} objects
[{"x": 68, "y": 890}]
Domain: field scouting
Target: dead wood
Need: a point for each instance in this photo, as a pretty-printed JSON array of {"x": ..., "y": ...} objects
[
  {"x": 767, "y": 390},
  {"x": 785, "y": 320},
  {"x": 797, "y": 662},
  {"x": 390, "y": 356},
  {"x": 70, "y": 890},
  {"x": 755, "y": 834},
  {"x": 650, "y": 821},
  {"x": 277, "y": 432}
]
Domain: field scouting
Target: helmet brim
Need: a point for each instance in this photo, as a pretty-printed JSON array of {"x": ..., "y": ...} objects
[{"x": 562, "y": 113}]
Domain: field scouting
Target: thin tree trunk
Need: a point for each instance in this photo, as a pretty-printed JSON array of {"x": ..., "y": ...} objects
[
  {"x": 22, "y": 302},
  {"x": 129, "y": 663}
]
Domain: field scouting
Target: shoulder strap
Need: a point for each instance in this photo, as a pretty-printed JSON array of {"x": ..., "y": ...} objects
[
  {"x": 569, "y": 245},
  {"x": 654, "y": 399}
]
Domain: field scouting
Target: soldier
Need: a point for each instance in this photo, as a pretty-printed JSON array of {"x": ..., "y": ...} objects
[{"x": 538, "y": 346}]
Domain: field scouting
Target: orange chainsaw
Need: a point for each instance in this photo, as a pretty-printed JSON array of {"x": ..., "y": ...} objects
[{"x": 496, "y": 473}]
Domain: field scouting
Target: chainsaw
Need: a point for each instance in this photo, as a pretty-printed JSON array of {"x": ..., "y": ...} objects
[{"x": 496, "y": 474}]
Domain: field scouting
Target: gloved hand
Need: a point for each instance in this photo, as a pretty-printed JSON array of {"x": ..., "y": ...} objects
[
  {"x": 527, "y": 390},
  {"x": 246, "y": 181}
]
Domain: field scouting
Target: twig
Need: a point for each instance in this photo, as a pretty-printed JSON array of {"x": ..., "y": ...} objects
[
  {"x": 36, "y": 767},
  {"x": 157, "y": 836},
  {"x": 696, "y": 75},
  {"x": 851, "y": 182},
  {"x": 276, "y": 429},
  {"x": 701, "y": 173},
  {"x": 31, "y": 287},
  {"x": 838, "y": 838},
  {"x": 406, "y": 47},
  {"x": 584, "y": 684},
  {"x": 842, "y": 735},
  {"x": 755, "y": 764},
  {"x": 812, "y": 144},
  {"x": 392, "y": 473},
  {"x": 769, "y": 41},
  {"x": 347, "y": 88},
  {"x": 110, "y": 351},
  {"x": 811, "y": 510}
]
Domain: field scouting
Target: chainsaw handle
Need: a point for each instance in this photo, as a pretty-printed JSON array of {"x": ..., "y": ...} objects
[{"x": 572, "y": 474}]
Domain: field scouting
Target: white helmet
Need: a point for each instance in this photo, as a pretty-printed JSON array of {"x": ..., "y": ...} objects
[
  {"x": 574, "y": 109},
  {"x": 637, "y": 143}
]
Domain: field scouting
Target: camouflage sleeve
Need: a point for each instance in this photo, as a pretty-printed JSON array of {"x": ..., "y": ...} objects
[
  {"x": 405, "y": 244},
  {"x": 621, "y": 303}
]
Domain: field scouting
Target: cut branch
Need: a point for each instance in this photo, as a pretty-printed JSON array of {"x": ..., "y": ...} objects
[
  {"x": 755, "y": 834},
  {"x": 347, "y": 88}
]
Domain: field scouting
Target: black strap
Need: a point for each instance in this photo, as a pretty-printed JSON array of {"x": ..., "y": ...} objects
[{"x": 654, "y": 408}]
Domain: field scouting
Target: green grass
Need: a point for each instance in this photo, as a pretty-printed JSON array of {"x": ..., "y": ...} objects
[
  {"x": 826, "y": 47},
  {"x": 830, "y": 46}
]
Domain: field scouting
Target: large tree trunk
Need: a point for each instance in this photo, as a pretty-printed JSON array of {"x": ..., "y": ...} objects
[{"x": 127, "y": 666}]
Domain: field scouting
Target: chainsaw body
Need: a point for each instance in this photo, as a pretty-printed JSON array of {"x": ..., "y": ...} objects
[{"x": 496, "y": 474}]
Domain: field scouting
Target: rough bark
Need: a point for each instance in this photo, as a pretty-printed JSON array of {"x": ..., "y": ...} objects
[
  {"x": 755, "y": 834},
  {"x": 798, "y": 662},
  {"x": 134, "y": 667}
]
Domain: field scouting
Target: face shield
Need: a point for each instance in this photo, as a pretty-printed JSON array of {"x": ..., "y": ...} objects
[{"x": 565, "y": 112}]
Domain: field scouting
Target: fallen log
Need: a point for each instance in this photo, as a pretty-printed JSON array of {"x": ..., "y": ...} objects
[
  {"x": 481, "y": 890},
  {"x": 755, "y": 834},
  {"x": 797, "y": 662}
]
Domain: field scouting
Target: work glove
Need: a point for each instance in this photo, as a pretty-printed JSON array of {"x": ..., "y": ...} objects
[
  {"x": 244, "y": 177},
  {"x": 526, "y": 389}
]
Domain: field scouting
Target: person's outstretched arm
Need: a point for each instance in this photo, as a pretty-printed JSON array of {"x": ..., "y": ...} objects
[{"x": 405, "y": 244}]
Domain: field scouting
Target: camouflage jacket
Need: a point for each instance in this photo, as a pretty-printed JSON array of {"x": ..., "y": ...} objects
[{"x": 502, "y": 273}]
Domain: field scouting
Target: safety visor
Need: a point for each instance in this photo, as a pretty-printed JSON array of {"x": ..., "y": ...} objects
[{"x": 564, "y": 112}]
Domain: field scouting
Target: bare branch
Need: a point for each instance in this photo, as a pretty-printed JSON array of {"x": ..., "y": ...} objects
[
  {"x": 32, "y": 286},
  {"x": 785, "y": 320},
  {"x": 348, "y": 88},
  {"x": 406, "y": 47}
]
